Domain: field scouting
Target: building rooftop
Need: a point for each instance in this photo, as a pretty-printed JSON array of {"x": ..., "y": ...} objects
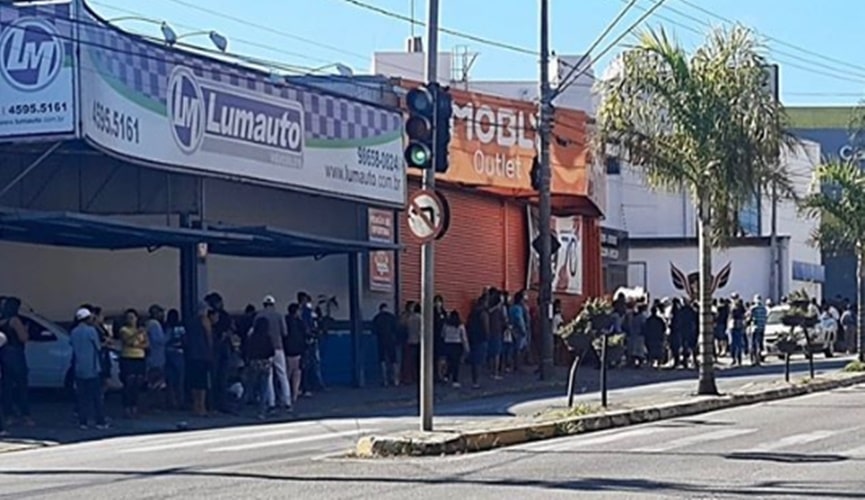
[{"x": 815, "y": 117}]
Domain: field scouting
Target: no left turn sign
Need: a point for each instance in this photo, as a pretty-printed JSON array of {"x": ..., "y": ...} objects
[{"x": 426, "y": 215}]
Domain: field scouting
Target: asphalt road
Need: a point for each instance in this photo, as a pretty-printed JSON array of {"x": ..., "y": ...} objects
[{"x": 804, "y": 448}]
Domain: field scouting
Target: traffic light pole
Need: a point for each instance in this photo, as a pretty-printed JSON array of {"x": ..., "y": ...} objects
[
  {"x": 428, "y": 249},
  {"x": 545, "y": 297}
]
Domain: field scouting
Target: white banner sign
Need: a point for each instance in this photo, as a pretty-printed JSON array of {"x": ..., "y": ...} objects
[
  {"x": 170, "y": 108},
  {"x": 567, "y": 262},
  {"x": 36, "y": 70}
]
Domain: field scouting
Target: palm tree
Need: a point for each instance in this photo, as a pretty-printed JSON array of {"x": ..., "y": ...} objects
[
  {"x": 703, "y": 122},
  {"x": 839, "y": 201}
]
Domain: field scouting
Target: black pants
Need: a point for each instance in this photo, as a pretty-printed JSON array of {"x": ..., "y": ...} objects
[
  {"x": 454, "y": 355},
  {"x": 15, "y": 381},
  {"x": 132, "y": 372},
  {"x": 90, "y": 402}
]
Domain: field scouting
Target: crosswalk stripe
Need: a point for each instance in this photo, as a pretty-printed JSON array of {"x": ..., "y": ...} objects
[
  {"x": 584, "y": 441},
  {"x": 179, "y": 444},
  {"x": 857, "y": 452},
  {"x": 794, "y": 440},
  {"x": 284, "y": 442},
  {"x": 695, "y": 439}
]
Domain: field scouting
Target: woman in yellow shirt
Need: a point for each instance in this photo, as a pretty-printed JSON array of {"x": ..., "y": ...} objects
[{"x": 133, "y": 369}]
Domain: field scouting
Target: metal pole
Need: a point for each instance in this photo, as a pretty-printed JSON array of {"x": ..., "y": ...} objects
[
  {"x": 428, "y": 249},
  {"x": 774, "y": 278},
  {"x": 544, "y": 208}
]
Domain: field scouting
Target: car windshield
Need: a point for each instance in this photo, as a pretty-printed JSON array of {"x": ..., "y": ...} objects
[{"x": 774, "y": 317}]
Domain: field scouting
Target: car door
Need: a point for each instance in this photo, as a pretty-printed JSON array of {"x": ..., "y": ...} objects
[{"x": 49, "y": 354}]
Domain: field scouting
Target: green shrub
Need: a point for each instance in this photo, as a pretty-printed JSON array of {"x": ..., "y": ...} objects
[{"x": 855, "y": 366}]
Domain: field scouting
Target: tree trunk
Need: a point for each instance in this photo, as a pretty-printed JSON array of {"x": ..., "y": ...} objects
[
  {"x": 707, "y": 384},
  {"x": 860, "y": 297}
]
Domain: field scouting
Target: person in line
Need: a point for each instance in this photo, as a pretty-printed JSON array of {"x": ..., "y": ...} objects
[
  {"x": 636, "y": 336},
  {"x": 385, "y": 329},
  {"x": 222, "y": 329},
  {"x": 404, "y": 354},
  {"x": 278, "y": 330},
  {"x": 478, "y": 328},
  {"x": 508, "y": 340},
  {"x": 737, "y": 331},
  {"x": 848, "y": 323},
  {"x": 3, "y": 431},
  {"x": 260, "y": 353},
  {"x": 133, "y": 367},
  {"x": 414, "y": 323},
  {"x": 440, "y": 316},
  {"x": 757, "y": 316},
  {"x": 14, "y": 361},
  {"x": 199, "y": 355},
  {"x": 495, "y": 338},
  {"x": 86, "y": 348},
  {"x": 653, "y": 331},
  {"x": 519, "y": 321},
  {"x": 678, "y": 328},
  {"x": 175, "y": 362},
  {"x": 294, "y": 344},
  {"x": 156, "y": 341},
  {"x": 311, "y": 361},
  {"x": 456, "y": 345}
]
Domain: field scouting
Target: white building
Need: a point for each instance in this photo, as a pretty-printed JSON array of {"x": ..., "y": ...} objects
[{"x": 662, "y": 229}]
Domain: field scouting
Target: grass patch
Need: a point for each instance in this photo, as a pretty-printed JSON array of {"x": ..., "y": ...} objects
[
  {"x": 579, "y": 410},
  {"x": 855, "y": 366}
]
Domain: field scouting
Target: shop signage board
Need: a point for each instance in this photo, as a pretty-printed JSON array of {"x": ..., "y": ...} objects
[
  {"x": 169, "y": 108},
  {"x": 381, "y": 262},
  {"x": 567, "y": 259},
  {"x": 36, "y": 71},
  {"x": 427, "y": 217}
]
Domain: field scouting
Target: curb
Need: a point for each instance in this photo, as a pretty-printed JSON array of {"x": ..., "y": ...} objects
[{"x": 448, "y": 443}]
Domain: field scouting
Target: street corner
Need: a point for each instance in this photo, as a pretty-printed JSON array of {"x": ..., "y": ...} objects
[{"x": 410, "y": 444}]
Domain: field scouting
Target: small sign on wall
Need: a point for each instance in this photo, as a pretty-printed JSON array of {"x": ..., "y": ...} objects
[{"x": 381, "y": 262}]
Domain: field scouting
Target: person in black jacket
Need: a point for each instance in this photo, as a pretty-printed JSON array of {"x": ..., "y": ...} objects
[
  {"x": 385, "y": 327},
  {"x": 653, "y": 332},
  {"x": 295, "y": 344},
  {"x": 260, "y": 352}
]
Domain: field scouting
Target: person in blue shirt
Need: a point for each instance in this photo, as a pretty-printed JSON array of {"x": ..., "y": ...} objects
[{"x": 86, "y": 349}]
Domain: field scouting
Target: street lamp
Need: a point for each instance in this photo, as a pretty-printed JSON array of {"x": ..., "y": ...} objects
[
  {"x": 170, "y": 37},
  {"x": 340, "y": 68}
]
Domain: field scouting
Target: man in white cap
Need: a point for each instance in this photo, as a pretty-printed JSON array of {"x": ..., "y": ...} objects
[
  {"x": 86, "y": 349},
  {"x": 278, "y": 330}
]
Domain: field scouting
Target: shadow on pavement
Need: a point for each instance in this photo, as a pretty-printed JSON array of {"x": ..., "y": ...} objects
[
  {"x": 787, "y": 458},
  {"x": 53, "y": 411},
  {"x": 795, "y": 489}
]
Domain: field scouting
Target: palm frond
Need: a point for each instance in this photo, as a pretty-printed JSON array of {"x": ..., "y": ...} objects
[{"x": 840, "y": 205}]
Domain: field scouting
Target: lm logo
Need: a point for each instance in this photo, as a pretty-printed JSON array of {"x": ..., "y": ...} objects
[
  {"x": 186, "y": 110},
  {"x": 31, "y": 54}
]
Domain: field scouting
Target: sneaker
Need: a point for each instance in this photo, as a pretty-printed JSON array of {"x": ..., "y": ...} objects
[{"x": 456, "y": 385}]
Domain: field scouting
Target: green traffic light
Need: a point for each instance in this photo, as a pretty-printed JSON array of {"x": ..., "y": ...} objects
[{"x": 417, "y": 155}]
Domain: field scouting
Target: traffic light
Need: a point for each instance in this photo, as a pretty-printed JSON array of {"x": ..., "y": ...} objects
[
  {"x": 535, "y": 174},
  {"x": 420, "y": 102},
  {"x": 444, "y": 110}
]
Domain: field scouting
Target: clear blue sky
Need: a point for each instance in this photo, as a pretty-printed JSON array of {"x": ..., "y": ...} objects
[{"x": 817, "y": 43}]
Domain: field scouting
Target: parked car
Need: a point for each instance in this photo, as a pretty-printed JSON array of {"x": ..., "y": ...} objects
[
  {"x": 823, "y": 335},
  {"x": 49, "y": 354}
]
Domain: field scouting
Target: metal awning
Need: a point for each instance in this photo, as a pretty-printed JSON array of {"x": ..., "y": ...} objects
[
  {"x": 71, "y": 229},
  {"x": 289, "y": 243}
]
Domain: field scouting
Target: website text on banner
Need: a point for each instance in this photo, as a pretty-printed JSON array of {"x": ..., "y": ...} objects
[
  {"x": 381, "y": 262},
  {"x": 172, "y": 108},
  {"x": 567, "y": 262},
  {"x": 36, "y": 71}
]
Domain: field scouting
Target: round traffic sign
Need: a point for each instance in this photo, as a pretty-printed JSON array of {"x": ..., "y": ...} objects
[{"x": 425, "y": 215}]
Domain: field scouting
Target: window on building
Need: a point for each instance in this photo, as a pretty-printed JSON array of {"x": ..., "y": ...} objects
[
  {"x": 613, "y": 165},
  {"x": 749, "y": 218}
]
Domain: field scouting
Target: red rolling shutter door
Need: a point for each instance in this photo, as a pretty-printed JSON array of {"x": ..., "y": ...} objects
[{"x": 484, "y": 246}]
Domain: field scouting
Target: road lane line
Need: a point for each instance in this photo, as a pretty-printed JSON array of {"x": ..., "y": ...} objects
[
  {"x": 794, "y": 440},
  {"x": 284, "y": 442},
  {"x": 857, "y": 452},
  {"x": 695, "y": 439}
]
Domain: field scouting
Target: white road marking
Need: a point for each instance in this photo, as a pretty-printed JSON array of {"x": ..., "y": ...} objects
[
  {"x": 857, "y": 452},
  {"x": 572, "y": 442},
  {"x": 284, "y": 442},
  {"x": 794, "y": 440},
  {"x": 695, "y": 439}
]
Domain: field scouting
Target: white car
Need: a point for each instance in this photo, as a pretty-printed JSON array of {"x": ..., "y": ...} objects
[
  {"x": 822, "y": 336},
  {"x": 49, "y": 353}
]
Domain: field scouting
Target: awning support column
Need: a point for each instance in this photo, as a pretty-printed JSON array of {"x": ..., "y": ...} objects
[
  {"x": 193, "y": 275},
  {"x": 356, "y": 319}
]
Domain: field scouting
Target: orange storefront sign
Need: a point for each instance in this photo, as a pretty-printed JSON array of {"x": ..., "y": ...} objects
[{"x": 493, "y": 144}]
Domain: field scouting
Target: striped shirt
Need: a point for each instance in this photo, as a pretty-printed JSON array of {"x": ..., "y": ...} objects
[{"x": 758, "y": 316}]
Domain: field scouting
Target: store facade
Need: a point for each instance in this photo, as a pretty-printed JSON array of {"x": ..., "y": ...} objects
[
  {"x": 491, "y": 201},
  {"x": 136, "y": 173}
]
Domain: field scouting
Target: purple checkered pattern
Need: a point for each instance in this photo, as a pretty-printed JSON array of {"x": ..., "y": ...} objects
[
  {"x": 144, "y": 68},
  {"x": 59, "y": 14}
]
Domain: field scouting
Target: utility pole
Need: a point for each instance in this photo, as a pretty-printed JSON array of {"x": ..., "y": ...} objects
[
  {"x": 545, "y": 297},
  {"x": 776, "y": 285},
  {"x": 428, "y": 248}
]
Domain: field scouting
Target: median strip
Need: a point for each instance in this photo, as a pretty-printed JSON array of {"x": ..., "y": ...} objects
[{"x": 563, "y": 422}]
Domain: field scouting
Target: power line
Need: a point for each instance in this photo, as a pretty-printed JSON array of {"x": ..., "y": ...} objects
[
  {"x": 565, "y": 81},
  {"x": 459, "y": 34}
]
